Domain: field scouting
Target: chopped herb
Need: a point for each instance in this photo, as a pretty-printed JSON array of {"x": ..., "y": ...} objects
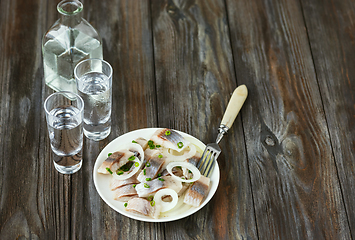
[
  {"x": 148, "y": 164},
  {"x": 180, "y": 144},
  {"x": 152, "y": 203},
  {"x": 109, "y": 170},
  {"x": 148, "y": 179},
  {"x": 134, "y": 185},
  {"x": 160, "y": 156},
  {"x": 134, "y": 141},
  {"x": 109, "y": 154},
  {"x": 126, "y": 167},
  {"x": 167, "y": 133},
  {"x": 125, "y": 204},
  {"x": 136, "y": 164},
  {"x": 161, "y": 179},
  {"x": 146, "y": 185},
  {"x": 131, "y": 158},
  {"x": 190, "y": 171},
  {"x": 158, "y": 146},
  {"x": 119, "y": 172},
  {"x": 144, "y": 171},
  {"x": 151, "y": 144},
  {"x": 159, "y": 175}
]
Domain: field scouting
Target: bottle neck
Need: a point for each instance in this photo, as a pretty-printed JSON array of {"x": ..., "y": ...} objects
[{"x": 70, "y": 12}]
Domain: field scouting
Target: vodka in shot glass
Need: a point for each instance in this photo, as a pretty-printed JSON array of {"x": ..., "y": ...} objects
[
  {"x": 64, "y": 115},
  {"x": 94, "y": 83}
]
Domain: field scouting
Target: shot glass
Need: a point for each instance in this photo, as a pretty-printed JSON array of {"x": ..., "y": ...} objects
[
  {"x": 94, "y": 83},
  {"x": 64, "y": 114}
]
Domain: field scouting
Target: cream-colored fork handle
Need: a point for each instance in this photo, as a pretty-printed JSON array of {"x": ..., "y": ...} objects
[{"x": 235, "y": 104}]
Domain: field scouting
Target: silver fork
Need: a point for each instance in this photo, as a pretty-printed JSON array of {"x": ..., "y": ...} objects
[{"x": 212, "y": 151}]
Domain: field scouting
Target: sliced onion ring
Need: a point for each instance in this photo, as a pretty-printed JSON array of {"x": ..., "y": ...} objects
[
  {"x": 130, "y": 173},
  {"x": 166, "y": 206},
  {"x": 137, "y": 147},
  {"x": 196, "y": 173},
  {"x": 180, "y": 158}
]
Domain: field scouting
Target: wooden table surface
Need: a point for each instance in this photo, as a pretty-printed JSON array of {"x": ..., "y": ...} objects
[{"x": 288, "y": 162}]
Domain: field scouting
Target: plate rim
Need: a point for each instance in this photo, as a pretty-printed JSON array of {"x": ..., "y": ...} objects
[{"x": 101, "y": 157}]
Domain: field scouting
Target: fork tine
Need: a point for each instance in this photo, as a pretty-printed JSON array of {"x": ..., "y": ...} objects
[
  {"x": 208, "y": 158},
  {"x": 204, "y": 159},
  {"x": 209, "y": 162},
  {"x": 209, "y": 172}
]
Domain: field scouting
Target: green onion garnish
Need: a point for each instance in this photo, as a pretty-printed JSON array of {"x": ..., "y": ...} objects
[
  {"x": 152, "y": 203},
  {"x": 119, "y": 172},
  {"x": 151, "y": 144},
  {"x": 148, "y": 179},
  {"x": 134, "y": 141},
  {"x": 148, "y": 164},
  {"x": 109, "y": 170},
  {"x": 109, "y": 154},
  {"x": 125, "y": 204},
  {"x": 146, "y": 185},
  {"x": 180, "y": 144},
  {"x": 159, "y": 175},
  {"x": 158, "y": 146},
  {"x": 161, "y": 179},
  {"x": 160, "y": 156},
  {"x": 167, "y": 133},
  {"x": 144, "y": 171},
  {"x": 131, "y": 158},
  {"x": 136, "y": 164},
  {"x": 127, "y": 166},
  {"x": 134, "y": 185}
]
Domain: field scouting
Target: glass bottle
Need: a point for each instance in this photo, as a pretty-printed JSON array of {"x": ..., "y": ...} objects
[{"x": 70, "y": 40}]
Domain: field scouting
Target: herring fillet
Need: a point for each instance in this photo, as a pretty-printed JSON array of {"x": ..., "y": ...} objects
[
  {"x": 171, "y": 140},
  {"x": 197, "y": 192},
  {"x": 110, "y": 160},
  {"x": 115, "y": 183},
  {"x": 148, "y": 188},
  {"x": 143, "y": 206},
  {"x": 155, "y": 164},
  {"x": 125, "y": 193}
]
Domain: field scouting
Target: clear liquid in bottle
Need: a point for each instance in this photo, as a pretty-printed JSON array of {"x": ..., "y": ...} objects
[{"x": 70, "y": 40}]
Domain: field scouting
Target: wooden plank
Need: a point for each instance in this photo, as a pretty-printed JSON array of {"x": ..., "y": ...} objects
[
  {"x": 295, "y": 186},
  {"x": 127, "y": 45},
  {"x": 28, "y": 182},
  {"x": 195, "y": 77},
  {"x": 331, "y": 29}
]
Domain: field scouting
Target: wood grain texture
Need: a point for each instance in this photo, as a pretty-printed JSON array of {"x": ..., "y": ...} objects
[
  {"x": 287, "y": 164},
  {"x": 295, "y": 186},
  {"x": 127, "y": 45},
  {"x": 334, "y": 59},
  {"x": 25, "y": 182},
  {"x": 195, "y": 78}
]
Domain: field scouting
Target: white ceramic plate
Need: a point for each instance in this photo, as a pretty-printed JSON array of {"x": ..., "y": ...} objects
[{"x": 102, "y": 181}]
